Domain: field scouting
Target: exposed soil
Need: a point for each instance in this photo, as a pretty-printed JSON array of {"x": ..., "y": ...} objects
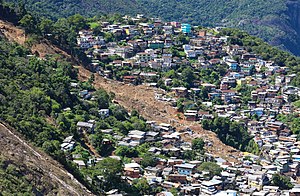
[
  {"x": 43, "y": 172},
  {"x": 12, "y": 33},
  {"x": 140, "y": 98}
]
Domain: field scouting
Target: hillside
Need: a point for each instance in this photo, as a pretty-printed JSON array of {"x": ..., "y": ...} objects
[
  {"x": 26, "y": 170},
  {"x": 60, "y": 8},
  {"x": 81, "y": 118},
  {"x": 25, "y": 105},
  {"x": 132, "y": 98},
  {"x": 142, "y": 99},
  {"x": 277, "y": 23}
]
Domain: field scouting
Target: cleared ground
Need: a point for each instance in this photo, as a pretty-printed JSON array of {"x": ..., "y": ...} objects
[{"x": 140, "y": 98}]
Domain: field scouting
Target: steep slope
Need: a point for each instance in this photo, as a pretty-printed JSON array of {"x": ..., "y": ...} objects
[
  {"x": 64, "y": 8},
  {"x": 22, "y": 166},
  {"x": 141, "y": 98},
  {"x": 25, "y": 169},
  {"x": 293, "y": 13},
  {"x": 276, "y": 22}
]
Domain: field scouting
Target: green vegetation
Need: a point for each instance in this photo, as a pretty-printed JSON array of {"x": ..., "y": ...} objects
[
  {"x": 32, "y": 91},
  {"x": 275, "y": 23},
  {"x": 110, "y": 169},
  {"x": 13, "y": 180},
  {"x": 283, "y": 182},
  {"x": 198, "y": 144},
  {"x": 142, "y": 186},
  {"x": 94, "y": 25},
  {"x": 125, "y": 151},
  {"x": 231, "y": 133},
  {"x": 211, "y": 167}
]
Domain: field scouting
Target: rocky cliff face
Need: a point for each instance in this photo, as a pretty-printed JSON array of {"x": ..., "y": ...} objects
[{"x": 293, "y": 13}]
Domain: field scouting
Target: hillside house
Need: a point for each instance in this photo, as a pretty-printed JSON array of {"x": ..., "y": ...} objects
[
  {"x": 132, "y": 170},
  {"x": 87, "y": 127},
  {"x": 180, "y": 92},
  {"x": 191, "y": 115},
  {"x": 185, "y": 168},
  {"x": 257, "y": 180},
  {"x": 211, "y": 187},
  {"x": 104, "y": 113}
]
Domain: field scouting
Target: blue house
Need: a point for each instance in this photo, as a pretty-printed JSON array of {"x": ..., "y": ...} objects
[
  {"x": 296, "y": 158},
  {"x": 233, "y": 65},
  {"x": 212, "y": 96},
  {"x": 186, "y": 28},
  {"x": 185, "y": 169},
  {"x": 258, "y": 111}
]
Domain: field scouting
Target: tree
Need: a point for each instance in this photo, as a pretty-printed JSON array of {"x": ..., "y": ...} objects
[
  {"x": 111, "y": 170},
  {"x": 142, "y": 186},
  {"x": 137, "y": 123},
  {"x": 203, "y": 93},
  {"x": 102, "y": 99},
  {"x": 188, "y": 76},
  {"x": 21, "y": 10},
  {"x": 50, "y": 147},
  {"x": 231, "y": 133},
  {"x": 135, "y": 113},
  {"x": 28, "y": 23},
  {"x": 295, "y": 125},
  {"x": 252, "y": 147},
  {"x": 96, "y": 140},
  {"x": 283, "y": 182},
  {"x": 78, "y": 22},
  {"x": 98, "y": 31},
  {"x": 206, "y": 124},
  {"x": 182, "y": 38},
  {"x": 46, "y": 26},
  {"x": 211, "y": 167},
  {"x": 174, "y": 191},
  {"x": 119, "y": 112},
  {"x": 198, "y": 144},
  {"x": 91, "y": 79},
  {"x": 189, "y": 155},
  {"x": 148, "y": 160},
  {"x": 109, "y": 37},
  {"x": 126, "y": 151},
  {"x": 293, "y": 98},
  {"x": 180, "y": 105}
]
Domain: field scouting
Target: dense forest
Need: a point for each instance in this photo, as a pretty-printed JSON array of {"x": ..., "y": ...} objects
[{"x": 277, "y": 23}]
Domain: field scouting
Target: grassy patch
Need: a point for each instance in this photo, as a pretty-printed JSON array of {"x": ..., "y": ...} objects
[{"x": 93, "y": 25}]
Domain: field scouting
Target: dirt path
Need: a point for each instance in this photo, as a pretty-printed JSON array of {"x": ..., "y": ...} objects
[
  {"x": 142, "y": 99},
  {"x": 90, "y": 147}
]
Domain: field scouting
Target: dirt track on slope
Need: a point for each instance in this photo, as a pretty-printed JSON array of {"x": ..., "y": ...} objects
[{"x": 140, "y": 98}]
